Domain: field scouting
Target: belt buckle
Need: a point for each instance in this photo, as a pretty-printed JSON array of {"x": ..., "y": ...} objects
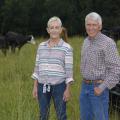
[{"x": 91, "y": 82}]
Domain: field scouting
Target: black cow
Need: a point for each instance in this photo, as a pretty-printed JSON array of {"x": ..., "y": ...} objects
[
  {"x": 115, "y": 97},
  {"x": 16, "y": 40},
  {"x": 3, "y": 44},
  {"x": 115, "y": 33},
  {"x": 106, "y": 31}
]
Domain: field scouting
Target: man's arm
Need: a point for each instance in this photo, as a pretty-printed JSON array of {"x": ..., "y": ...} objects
[{"x": 112, "y": 62}]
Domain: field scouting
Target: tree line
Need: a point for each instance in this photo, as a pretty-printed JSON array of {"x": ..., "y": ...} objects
[{"x": 31, "y": 16}]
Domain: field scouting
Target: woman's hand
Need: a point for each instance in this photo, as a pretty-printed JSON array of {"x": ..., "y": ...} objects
[
  {"x": 35, "y": 89},
  {"x": 67, "y": 93}
]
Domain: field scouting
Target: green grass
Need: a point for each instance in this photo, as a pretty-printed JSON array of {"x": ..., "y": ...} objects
[{"x": 16, "y": 101}]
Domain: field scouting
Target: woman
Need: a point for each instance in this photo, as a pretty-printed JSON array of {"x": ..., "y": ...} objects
[{"x": 53, "y": 72}]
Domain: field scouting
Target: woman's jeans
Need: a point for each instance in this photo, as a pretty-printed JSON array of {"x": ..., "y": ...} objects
[
  {"x": 56, "y": 92},
  {"x": 93, "y": 107}
]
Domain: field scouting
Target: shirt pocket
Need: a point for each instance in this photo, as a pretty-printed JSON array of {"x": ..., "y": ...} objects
[{"x": 97, "y": 57}]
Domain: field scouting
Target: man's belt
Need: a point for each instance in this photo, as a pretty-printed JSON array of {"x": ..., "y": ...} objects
[{"x": 92, "y": 81}]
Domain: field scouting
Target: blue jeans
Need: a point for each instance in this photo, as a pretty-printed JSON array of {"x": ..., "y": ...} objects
[
  {"x": 56, "y": 92},
  {"x": 93, "y": 107}
]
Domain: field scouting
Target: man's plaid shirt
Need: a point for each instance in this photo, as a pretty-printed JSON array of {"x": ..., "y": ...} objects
[{"x": 100, "y": 61}]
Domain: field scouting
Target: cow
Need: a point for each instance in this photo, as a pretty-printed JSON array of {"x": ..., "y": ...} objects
[
  {"x": 115, "y": 96},
  {"x": 16, "y": 40},
  {"x": 106, "y": 31},
  {"x": 115, "y": 33},
  {"x": 3, "y": 44}
]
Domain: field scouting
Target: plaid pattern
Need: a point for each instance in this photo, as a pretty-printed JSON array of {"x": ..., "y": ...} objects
[
  {"x": 54, "y": 65},
  {"x": 100, "y": 60}
]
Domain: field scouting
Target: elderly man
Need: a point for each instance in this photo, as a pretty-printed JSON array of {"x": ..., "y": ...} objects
[
  {"x": 53, "y": 72},
  {"x": 100, "y": 68}
]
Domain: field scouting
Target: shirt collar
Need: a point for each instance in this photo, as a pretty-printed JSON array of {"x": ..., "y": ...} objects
[
  {"x": 60, "y": 43},
  {"x": 96, "y": 38}
]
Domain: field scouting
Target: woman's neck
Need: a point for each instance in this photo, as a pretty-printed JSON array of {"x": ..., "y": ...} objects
[{"x": 53, "y": 42}]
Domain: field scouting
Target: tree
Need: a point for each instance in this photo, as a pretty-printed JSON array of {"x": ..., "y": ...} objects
[{"x": 15, "y": 15}]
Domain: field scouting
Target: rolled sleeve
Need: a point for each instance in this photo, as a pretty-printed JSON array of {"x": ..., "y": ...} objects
[
  {"x": 102, "y": 86},
  {"x": 69, "y": 80},
  {"x": 35, "y": 74},
  {"x": 69, "y": 65}
]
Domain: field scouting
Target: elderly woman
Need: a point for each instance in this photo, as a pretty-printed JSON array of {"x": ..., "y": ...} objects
[{"x": 53, "y": 72}]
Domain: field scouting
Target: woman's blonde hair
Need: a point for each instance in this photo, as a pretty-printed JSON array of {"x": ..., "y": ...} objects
[
  {"x": 64, "y": 34},
  {"x": 54, "y": 18}
]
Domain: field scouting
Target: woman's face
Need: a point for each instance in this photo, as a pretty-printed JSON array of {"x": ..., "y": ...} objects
[{"x": 54, "y": 30}]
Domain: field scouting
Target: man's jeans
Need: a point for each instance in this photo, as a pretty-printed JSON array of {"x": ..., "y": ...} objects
[
  {"x": 93, "y": 107},
  {"x": 56, "y": 92}
]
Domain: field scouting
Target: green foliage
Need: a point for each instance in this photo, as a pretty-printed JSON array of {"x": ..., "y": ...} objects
[
  {"x": 16, "y": 85},
  {"x": 31, "y": 16},
  {"x": 16, "y": 102},
  {"x": 15, "y": 15}
]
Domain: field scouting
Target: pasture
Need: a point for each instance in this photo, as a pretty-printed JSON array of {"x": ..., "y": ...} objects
[{"x": 16, "y": 102}]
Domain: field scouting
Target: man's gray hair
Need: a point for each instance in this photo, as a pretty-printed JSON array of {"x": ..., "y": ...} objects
[
  {"x": 94, "y": 16},
  {"x": 54, "y": 18}
]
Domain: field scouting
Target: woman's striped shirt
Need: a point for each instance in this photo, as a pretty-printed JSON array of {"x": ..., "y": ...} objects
[{"x": 54, "y": 64}]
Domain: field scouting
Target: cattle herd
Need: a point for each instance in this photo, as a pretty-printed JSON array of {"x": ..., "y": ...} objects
[
  {"x": 13, "y": 40},
  {"x": 113, "y": 32}
]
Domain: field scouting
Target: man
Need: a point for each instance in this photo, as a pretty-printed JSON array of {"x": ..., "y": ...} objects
[
  {"x": 53, "y": 72},
  {"x": 100, "y": 68}
]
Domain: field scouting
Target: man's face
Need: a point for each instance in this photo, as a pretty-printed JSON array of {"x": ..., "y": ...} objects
[
  {"x": 54, "y": 30},
  {"x": 92, "y": 28}
]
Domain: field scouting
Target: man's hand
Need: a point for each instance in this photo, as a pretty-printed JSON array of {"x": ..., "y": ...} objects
[{"x": 97, "y": 91}]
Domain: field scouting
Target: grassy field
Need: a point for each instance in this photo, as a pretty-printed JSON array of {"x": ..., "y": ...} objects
[{"x": 16, "y": 102}]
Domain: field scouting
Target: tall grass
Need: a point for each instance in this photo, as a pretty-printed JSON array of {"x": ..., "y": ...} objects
[{"x": 16, "y": 102}]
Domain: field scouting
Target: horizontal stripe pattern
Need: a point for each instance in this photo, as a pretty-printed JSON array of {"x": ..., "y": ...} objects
[{"x": 54, "y": 65}]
